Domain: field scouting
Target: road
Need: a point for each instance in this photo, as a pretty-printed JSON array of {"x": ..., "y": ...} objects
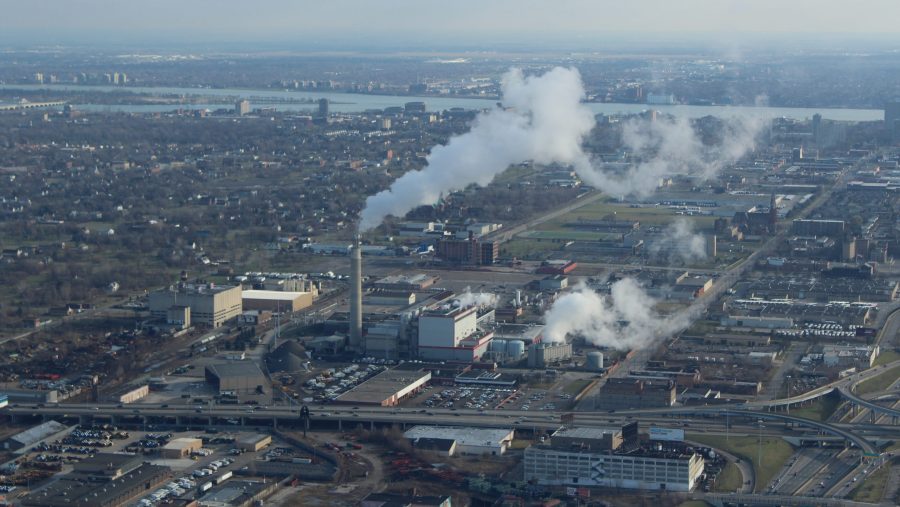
[{"x": 507, "y": 233}]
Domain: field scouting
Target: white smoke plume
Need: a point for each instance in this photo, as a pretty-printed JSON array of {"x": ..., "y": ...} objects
[
  {"x": 544, "y": 121},
  {"x": 679, "y": 241},
  {"x": 469, "y": 298},
  {"x": 623, "y": 320},
  {"x": 667, "y": 147}
]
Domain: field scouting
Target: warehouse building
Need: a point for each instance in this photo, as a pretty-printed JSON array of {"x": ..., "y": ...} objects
[
  {"x": 471, "y": 441},
  {"x": 417, "y": 282},
  {"x": 276, "y": 300},
  {"x": 254, "y": 443},
  {"x": 628, "y": 392},
  {"x": 26, "y": 439},
  {"x": 180, "y": 448},
  {"x": 238, "y": 376},
  {"x": 562, "y": 462},
  {"x": 388, "y": 388},
  {"x": 210, "y": 305},
  {"x": 107, "y": 466},
  {"x": 78, "y": 492}
]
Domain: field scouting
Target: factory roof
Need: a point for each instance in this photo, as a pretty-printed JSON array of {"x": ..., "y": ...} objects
[
  {"x": 415, "y": 279},
  {"x": 36, "y": 434},
  {"x": 181, "y": 443},
  {"x": 272, "y": 295},
  {"x": 384, "y": 385},
  {"x": 586, "y": 433},
  {"x": 234, "y": 369},
  {"x": 462, "y": 435}
]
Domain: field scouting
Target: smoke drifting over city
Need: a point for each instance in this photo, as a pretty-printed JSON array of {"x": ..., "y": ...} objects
[
  {"x": 543, "y": 120},
  {"x": 623, "y": 320},
  {"x": 667, "y": 147},
  {"x": 469, "y": 298},
  {"x": 679, "y": 242}
]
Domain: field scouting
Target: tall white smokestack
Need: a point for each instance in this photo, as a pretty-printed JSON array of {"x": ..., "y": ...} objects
[{"x": 356, "y": 296}]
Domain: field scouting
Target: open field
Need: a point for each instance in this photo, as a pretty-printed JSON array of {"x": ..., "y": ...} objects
[
  {"x": 774, "y": 451},
  {"x": 879, "y": 382},
  {"x": 729, "y": 480},
  {"x": 819, "y": 410},
  {"x": 873, "y": 487}
]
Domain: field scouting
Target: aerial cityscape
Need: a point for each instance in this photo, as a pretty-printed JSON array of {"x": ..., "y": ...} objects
[{"x": 480, "y": 254}]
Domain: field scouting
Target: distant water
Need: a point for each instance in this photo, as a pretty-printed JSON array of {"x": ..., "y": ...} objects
[{"x": 358, "y": 102}]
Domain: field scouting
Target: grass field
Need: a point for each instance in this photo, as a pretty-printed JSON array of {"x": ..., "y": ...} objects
[
  {"x": 819, "y": 410},
  {"x": 879, "y": 382},
  {"x": 576, "y": 386},
  {"x": 775, "y": 452},
  {"x": 730, "y": 479},
  {"x": 872, "y": 488},
  {"x": 886, "y": 356},
  {"x": 693, "y": 503}
]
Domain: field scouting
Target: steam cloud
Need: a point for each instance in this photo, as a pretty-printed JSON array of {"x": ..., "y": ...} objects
[
  {"x": 623, "y": 320},
  {"x": 667, "y": 147},
  {"x": 545, "y": 121},
  {"x": 679, "y": 242},
  {"x": 469, "y": 298}
]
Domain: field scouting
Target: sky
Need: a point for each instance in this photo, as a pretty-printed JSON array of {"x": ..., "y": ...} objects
[{"x": 29, "y": 22}]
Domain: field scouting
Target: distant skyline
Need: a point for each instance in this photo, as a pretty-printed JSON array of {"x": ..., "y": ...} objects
[{"x": 457, "y": 23}]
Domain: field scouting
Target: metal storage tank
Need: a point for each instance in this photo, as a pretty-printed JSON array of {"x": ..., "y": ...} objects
[
  {"x": 498, "y": 346},
  {"x": 594, "y": 360},
  {"x": 515, "y": 348}
]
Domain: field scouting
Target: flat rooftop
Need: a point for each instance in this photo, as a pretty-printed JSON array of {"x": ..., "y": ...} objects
[
  {"x": 586, "y": 433},
  {"x": 271, "y": 295},
  {"x": 462, "y": 435},
  {"x": 384, "y": 385},
  {"x": 235, "y": 369}
]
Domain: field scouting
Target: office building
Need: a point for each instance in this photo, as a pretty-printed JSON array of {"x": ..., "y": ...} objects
[
  {"x": 585, "y": 459},
  {"x": 323, "y": 108},
  {"x": 210, "y": 305},
  {"x": 469, "y": 251},
  {"x": 242, "y": 107}
]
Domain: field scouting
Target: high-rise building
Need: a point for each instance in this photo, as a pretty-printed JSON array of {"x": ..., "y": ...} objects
[
  {"x": 242, "y": 107},
  {"x": 892, "y": 119},
  {"x": 323, "y": 108}
]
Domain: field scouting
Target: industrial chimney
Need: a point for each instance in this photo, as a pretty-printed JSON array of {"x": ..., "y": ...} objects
[{"x": 356, "y": 296}]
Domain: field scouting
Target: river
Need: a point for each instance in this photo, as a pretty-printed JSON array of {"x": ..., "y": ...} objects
[{"x": 358, "y": 102}]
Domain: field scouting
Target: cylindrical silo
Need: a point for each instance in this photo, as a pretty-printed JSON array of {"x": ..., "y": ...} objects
[
  {"x": 498, "y": 346},
  {"x": 515, "y": 348},
  {"x": 594, "y": 360}
]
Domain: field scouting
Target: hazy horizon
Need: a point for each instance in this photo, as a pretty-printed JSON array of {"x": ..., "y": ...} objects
[{"x": 462, "y": 25}]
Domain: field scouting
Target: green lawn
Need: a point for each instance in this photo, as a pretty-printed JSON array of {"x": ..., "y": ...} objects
[
  {"x": 886, "y": 356},
  {"x": 872, "y": 488},
  {"x": 880, "y": 382},
  {"x": 729, "y": 480},
  {"x": 819, "y": 410},
  {"x": 693, "y": 503},
  {"x": 775, "y": 452},
  {"x": 576, "y": 386}
]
